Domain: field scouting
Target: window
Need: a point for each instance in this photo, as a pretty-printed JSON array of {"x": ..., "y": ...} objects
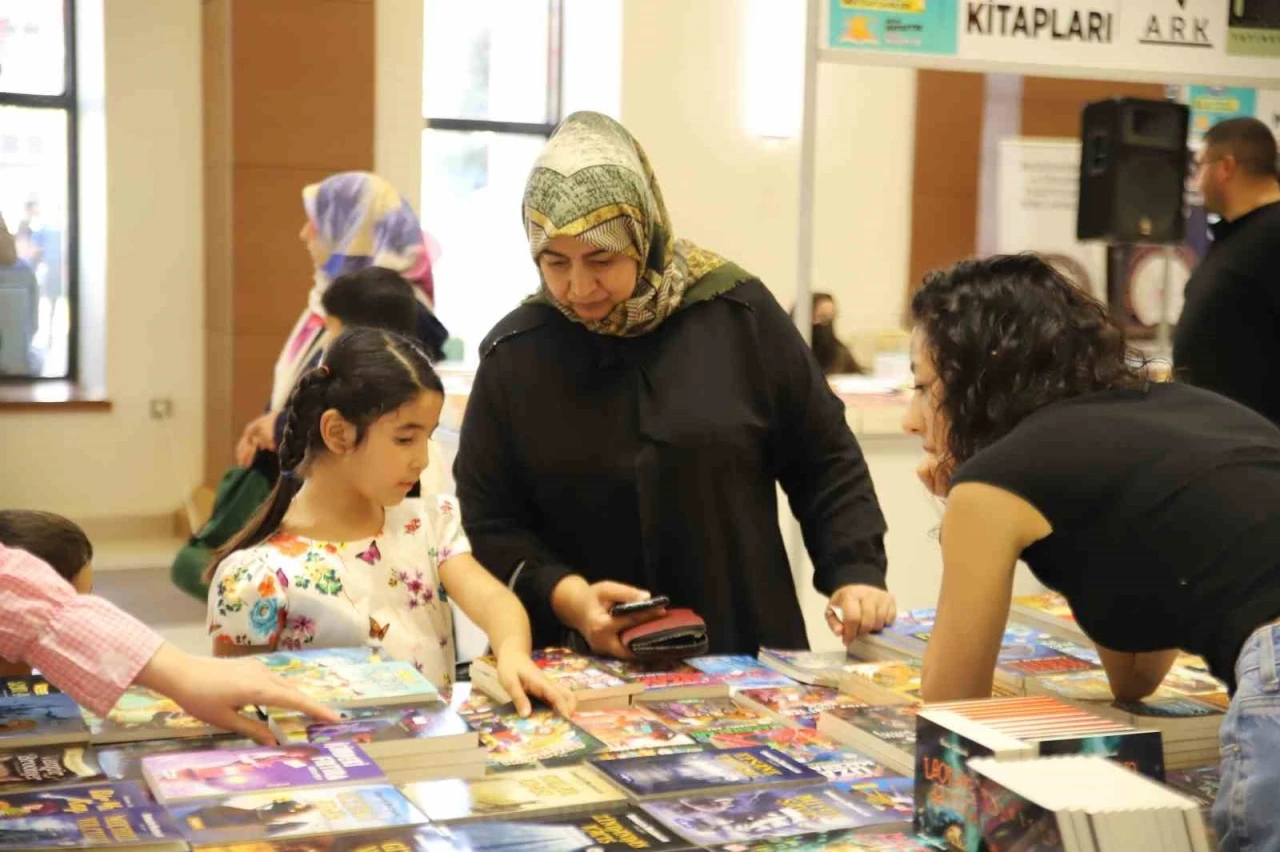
[{"x": 37, "y": 189}]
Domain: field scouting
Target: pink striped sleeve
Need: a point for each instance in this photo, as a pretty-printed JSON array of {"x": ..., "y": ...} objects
[{"x": 84, "y": 645}]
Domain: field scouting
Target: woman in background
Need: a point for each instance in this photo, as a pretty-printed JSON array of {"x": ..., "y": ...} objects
[
  {"x": 628, "y": 428},
  {"x": 833, "y": 355},
  {"x": 354, "y": 220},
  {"x": 1154, "y": 508}
]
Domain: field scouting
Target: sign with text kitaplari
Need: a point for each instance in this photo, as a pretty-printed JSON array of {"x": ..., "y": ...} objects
[{"x": 1205, "y": 38}]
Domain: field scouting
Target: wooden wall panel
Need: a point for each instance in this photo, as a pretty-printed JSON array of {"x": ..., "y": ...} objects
[{"x": 1051, "y": 107}]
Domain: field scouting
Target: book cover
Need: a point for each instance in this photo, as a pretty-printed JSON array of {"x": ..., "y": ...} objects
[
  {"x": 628, "y": 729},
  {"x": 798, "y": 706},
  {"x": 306, "y": 658},
  {"x": 396, "y": 726},
  {"x": 88, "y": 815},
  {"x": 837, "y": 841},
  {"x": 1141, "y": 751},
  {"x": 47, "y": 766},
  {"x": 591, "y": 831},
  {"x": 676, "y": 774},
  {"x": 26, "y": 686},
  {"x": 757, "y": 814},
  {"x": 820, "y": 668},
  {"x": 894, "y": 725},
  {"x": 542, "y": 736},
  {"x": 294, "y": 813},
  {"x": 712, "y": 714},
  {"x": 1007, "y": 820},
  {"x": 648, "y": 752},
  {"x": 1169, "y": 708},
  {"x": 740, "y": 671},
  {"x": 898, "y": 676},
  {"x": 514, "y": 794},
  {"x": 362, "y": 684},
  {"x": 180, "y": 776},
  {"x": 886, "y": 800},
  {"x": 946, "y": 803},
  {"x": 40, "y": 720},
  {"x": 568, "y": 670},
  {"x": 1200, "y": 783},
  {"x": 123, "y": 762},
  {"x": 142, "y": 714},
  {"x": 1050, "y": 604},
  {"x": 803, "y": 745},
  {"x": 664, "y": 678}
]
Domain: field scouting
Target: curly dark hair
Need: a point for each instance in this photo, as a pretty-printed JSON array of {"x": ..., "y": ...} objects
[{"x": 1009, "y": 335}]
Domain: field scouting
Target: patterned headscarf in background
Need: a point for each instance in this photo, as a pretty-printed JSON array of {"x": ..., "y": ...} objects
[
  {"x": 594, "y": 182},
  {"x": 360, "y": 221}
]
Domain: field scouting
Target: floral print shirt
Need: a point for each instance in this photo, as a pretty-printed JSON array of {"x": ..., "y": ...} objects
[{"x": 292, "y": 592}]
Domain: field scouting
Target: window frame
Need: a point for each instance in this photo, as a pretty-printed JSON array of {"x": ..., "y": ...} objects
[{"x": 67, "y": 103}]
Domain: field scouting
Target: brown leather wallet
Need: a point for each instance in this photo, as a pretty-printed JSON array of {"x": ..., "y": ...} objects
[{"x": 679, "y": 634}]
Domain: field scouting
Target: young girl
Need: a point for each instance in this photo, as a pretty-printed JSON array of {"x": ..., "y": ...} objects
[{"x": 338, "y": 557}]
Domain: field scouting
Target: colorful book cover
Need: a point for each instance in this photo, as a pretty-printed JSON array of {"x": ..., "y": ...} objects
[
  {"x": 1051, "y": 604},
  {"x": 295, "y": 813},
  {"x": 542, "y": 736},
  {"x": 676, "y": 774},
  {"x": 799, "y": 705},
  {"x": 368, "y": 725},
  {"x": 26, "y": 686},
  {"x": 822, "y": 668},
  {"x": 838, "y": 841},
  {"x": 648, "y": 752},
  {"x": 49, "y": 766},
  {"x": 143, "y": 714},
  {"x": 628, "y": 729},
  {"x": 1192, "y": 682},
  {"x": 740, "y": 671},
  {"x": 1200, "y": 783},
  {"x": 1169, "y": 708},
  {"x": 87, "y": 815},
  {"x": 607, "y": 831},
  {"x": 1140, "y": 751},
  {"x": 900, "y": 676},
  {"x": 1006, "y": 820},
  {"x": 355, "y": 684},
  {"x": 886, "y": 800},
  {"x": 1050, "y": 664},
  {"x": 124, "y": 762},
  {"x": 180, "y": 776},
  {"x": 40, "y": 719},
  {"x": 946, "y": 803},
  {"x": 712, "y": 714},
  {"x": 514, "y": 793},
  {"x": 403, "y": 839},
  {"x": 654, "y": 677},
  {"x": 570, "y": 671},
  {"x": 757, "y": 814},
  {"x": 279, "y": 661},
  {"x": 895, "y": 725},
  {"x": 808, "y": 747}
]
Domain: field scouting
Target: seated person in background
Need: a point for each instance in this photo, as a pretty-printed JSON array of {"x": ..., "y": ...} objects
[
  {"x": 833, "y": 356},
  {"x": 339, "y": 558},
  {"x": 54, "y": 540},
  {"x": 1154, "y": 508}
]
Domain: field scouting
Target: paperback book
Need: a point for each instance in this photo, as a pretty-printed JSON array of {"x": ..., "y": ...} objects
[
  {"x": 796, "y": 706},
  {"x": 40, "y": 720},
  {"x": 47, "y": 766},
  {"x": 588, "y": 831},
  {"x": 887, "y": 734},
  {"x": 543, "y": 736},
  {"x": 183, "y": 776},
  {"x": 341, "y": 684},
  {"x": 26, "y": 686},
  {"x": 385, "y": 731},
  {"x": 710, "y": 715},
  {"x": 119, "y": 816},
  {"x": 705, "y": 772},
  {"x": 142, "y": 714},
  {"x": 515, "y": 794},
  {"x": 838, "y": 841},
  {"x": 592, "y": 684},
  {"x": 123, "y": 762},
  {"x": 819, "y": 668},
  {"x": 808, "y": 747},
  {"x": 629, "y": 729}
]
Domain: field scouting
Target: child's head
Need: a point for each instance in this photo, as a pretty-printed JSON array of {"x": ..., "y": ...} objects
[
  {"x": 365, "y": 415},
  {"x": 53, "y": 539},
  {"x": 375, "y": 298}
]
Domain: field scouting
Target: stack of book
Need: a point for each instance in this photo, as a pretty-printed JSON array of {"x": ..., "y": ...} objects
[
  {"x": 885, "y": 733},
  {"x": 949, "y": 735},
  {"x": 1078, "y": 804},
  {"x": 796, "y": 706},
  {"x": 817, "y": 668},
  {"x": 593, "y": 685}
]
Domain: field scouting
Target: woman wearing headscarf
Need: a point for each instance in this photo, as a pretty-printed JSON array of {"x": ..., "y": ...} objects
[
  {"x": 355, "y": 220},
  {"x": 628, "y": 426}
]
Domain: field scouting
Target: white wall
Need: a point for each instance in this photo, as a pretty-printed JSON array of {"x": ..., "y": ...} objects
[
  {"x": 397, "y": 114},
  {"x": 121, "y": 463},
  {"x": 682, "y": 91}
]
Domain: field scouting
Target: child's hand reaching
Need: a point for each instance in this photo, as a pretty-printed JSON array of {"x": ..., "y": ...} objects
[{"x": 522, "y": 678}]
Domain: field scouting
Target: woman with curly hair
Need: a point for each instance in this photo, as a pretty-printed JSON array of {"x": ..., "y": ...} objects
[{"x": 1153, "y": 508}]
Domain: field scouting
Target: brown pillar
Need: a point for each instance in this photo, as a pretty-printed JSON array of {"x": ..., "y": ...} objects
[{"x": 289, "y": 100}]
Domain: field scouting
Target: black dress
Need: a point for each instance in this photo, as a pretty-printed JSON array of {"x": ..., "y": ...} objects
[
  {"x": 654, "y": 461},
  {"x": 1165, "y": 508}
]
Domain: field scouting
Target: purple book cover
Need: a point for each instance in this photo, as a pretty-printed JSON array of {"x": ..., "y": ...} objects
[{"x": 194, "y": 775}]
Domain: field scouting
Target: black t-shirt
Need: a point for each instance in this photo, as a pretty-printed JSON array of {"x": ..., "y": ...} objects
[
  {"x": 1228, "y": 336},
  {"x": 1165, "y": 508}
]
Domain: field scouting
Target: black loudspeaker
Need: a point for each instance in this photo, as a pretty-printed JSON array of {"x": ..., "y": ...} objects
[{"x": 1133, "y": 168}]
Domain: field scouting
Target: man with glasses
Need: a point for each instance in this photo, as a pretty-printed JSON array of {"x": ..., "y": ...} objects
[{"x": 1228, "y": 337}]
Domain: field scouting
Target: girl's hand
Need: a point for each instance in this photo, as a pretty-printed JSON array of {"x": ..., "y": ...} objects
[
  {"x": 935, "y": 474},
  {"x": 522, "y": 678}
]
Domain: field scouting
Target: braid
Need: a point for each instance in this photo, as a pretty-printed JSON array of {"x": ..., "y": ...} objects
[{"x": 302, "y": 412}]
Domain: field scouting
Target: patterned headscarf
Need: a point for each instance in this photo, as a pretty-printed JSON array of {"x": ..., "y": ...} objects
[
  {"x": 593, "y": 182},
  {"x": 360, "y": 221}
]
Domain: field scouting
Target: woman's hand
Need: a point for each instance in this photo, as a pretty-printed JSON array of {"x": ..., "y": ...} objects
[
  {"x": 260, "y": 434},
  {"x": 857, "y": 610},
  {"x": 586, "y": 608},
  {"x": 936, "y": 475},
  {"x": 522, "y": 678},
  {"x": 216, "y": 691}
]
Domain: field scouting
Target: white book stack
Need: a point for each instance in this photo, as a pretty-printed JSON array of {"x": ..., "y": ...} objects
[{"x": 1084, "y": 804}]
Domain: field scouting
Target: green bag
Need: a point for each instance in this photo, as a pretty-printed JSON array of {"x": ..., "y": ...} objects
[{"x": 240, "y": 493}]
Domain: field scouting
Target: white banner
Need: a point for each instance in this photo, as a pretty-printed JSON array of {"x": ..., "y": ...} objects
[{"x": 1038, "y": 194}]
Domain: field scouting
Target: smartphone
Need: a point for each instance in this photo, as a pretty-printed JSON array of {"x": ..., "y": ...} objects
[{"x": 640, "y": 606}]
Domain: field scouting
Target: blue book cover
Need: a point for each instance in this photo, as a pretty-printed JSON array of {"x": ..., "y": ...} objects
[
  {"x": 675, "y": 774},
  {"x": 41, "y": 720},
  {"x": 86, "y": 815}
]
